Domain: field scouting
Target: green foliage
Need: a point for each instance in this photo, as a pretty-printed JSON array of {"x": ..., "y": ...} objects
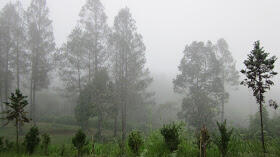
[
  {"x": 199, "y": 79},
  {"x": 79, "y": 141},
  {"x": 171, "y": 133},
  {"x": 1, "y": 144},
  {"x": 32, "y": 140},
  {"x": 16, "y": 111},
  {"x": 46, "y": 140},
  {"x": 135, "y": 142},
  {"x": 223, "y": 140}
]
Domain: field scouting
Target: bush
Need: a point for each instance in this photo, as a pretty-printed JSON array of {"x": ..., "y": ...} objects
[
  {"x": 1, "y": 144},
  {"x": 32, "y": 140},
  {"x": 223, "y": 140},
  {"x": 135, "y": 142},
  {"x": 171, "y": 134},
  {"x": 46, "y": 140},
  {"x": 79, "y": 141}
]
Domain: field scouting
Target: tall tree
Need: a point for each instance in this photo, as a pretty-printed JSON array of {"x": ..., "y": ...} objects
[
  {"x": 6, "y": 24},
  {"x": 96, "y": 31},
  {"x": 259, "y": 71},
  {"x": 229, "y": 75},
  {"x": 130, "y": 75},
  {"x": 41, "y": 45},
  {"x": 199, "y": 83},
  {"x": 13, "y": 57}
]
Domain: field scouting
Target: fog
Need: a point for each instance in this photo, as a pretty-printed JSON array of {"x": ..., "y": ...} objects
[{"x": 168, "y": 26}]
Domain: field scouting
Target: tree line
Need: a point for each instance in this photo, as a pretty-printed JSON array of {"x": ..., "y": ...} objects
[{"x": 102, "y": 68}]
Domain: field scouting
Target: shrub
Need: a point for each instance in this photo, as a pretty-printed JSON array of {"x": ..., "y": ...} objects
[
  {"x": 222, "y": 141},
  {"x": 203, "y": 140},
  {"x": 79, "y": 141},
  {"x": 62, "y": 150},
  {"x": 46, "y": 140},
  {"x": 171, "y": 134},
  {"x": 135, "y": 142},
  {"x": 1, "y": 144},
  {"x": 32, "y": 140}
]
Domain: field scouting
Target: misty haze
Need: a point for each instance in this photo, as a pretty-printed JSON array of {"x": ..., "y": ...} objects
[{"x": 145, "y": 78}]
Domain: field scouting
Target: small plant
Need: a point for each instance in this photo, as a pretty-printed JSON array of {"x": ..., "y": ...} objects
[
  {"x": 171, "y": 134},
  {"x": 16, "y": 111},
  {"x": 223, "y": 140},
  {"x": 135, "y": 142},
  {"x": 1, "y": 144},
  {"x": 79, "y": 141},
  {"x": 46, "y": 140},
  {"x": 203, "y": 141},
  {"x": 32, "y": 140},
  {"x": 62, "y": 150}
]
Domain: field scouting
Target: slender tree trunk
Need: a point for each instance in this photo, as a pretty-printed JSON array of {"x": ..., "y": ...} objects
[
  {"x": 115, "y": 125},
  {"x": 261, "y": 111},
  {"x": 17, "y": 62},
  {"x": 99, "y": 125},
  {"x": 30, "y": 98},
  {"x": 263, "y": 144},
  {"x": 7, "y": 76},
  {"x": 34, "y": 103},
  {"x": 223, "y": 98},
  {"x": 17, "y": 129},
  {"x": 1, "y": 102},
  {"x": 89, "y": 67}
]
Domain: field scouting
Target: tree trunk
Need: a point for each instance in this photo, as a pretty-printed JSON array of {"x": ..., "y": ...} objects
[
  {"x": 261, "y": 111},
  {"x": 223, "y": 98},
  {"x": 17, "y": 129},
  {"x": 34, "y": 103},
  {"x": 263, "y": 144},
  {"x": 30, "y": 98},
  {"x": 7, "y": 76},
  {"x": 99, "y": 125},
  {"x": 17, "y": 62},
  {"x": 115, "y": 125},
  {"x": 1, "y": 103},
  {"x": 123, "y": 130}
]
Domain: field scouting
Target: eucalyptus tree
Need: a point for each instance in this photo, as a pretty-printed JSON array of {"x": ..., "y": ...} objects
[
  {"x": 199, "y": 84},
  {"x": 6, "y": 24},
  {"x": 16, "y": 111},
  {"x": 93, "y": 21},
  {"x": 13, "y": 57},
  {"x": 41, "y": 45},
  {"x": 229, "y": 75},
  {"x": 128, "y": 59},
  {"x": 71, "y": 61},
  {"x": 258, "y": 71}
]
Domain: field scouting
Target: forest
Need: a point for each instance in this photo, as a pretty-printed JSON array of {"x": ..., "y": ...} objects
[{"x": 95, "y": 95}]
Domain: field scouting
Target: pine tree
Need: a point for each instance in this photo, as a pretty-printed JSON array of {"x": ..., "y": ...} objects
[
  {"x": 259, "y": 71},
  {"x": 16, "y": 111}
]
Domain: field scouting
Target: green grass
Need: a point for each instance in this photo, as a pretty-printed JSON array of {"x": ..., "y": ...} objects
[{"x": 154, "y": 145}]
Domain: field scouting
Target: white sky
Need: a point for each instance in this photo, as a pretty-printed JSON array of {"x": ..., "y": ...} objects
[{"x": 168, "y": 25}]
